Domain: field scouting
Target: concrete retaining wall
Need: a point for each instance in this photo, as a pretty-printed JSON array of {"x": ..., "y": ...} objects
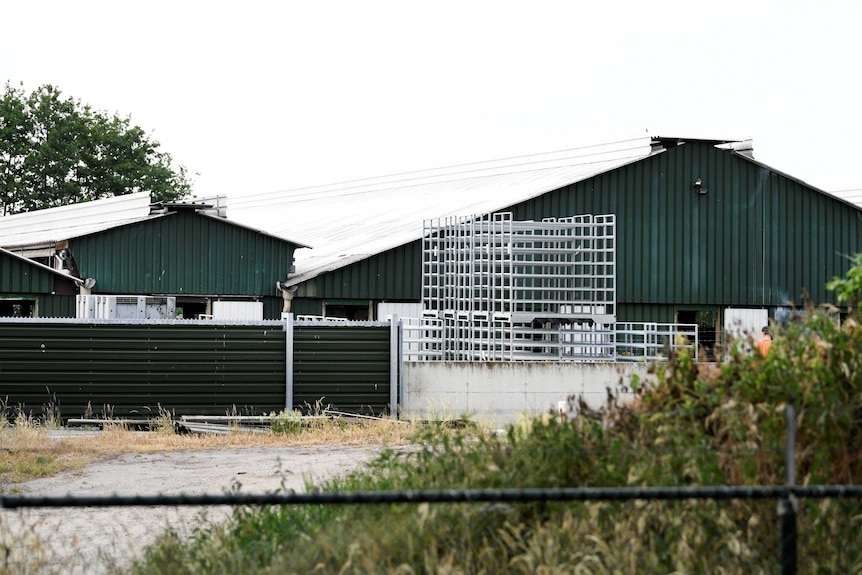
[{"x": 498, "y": 393}]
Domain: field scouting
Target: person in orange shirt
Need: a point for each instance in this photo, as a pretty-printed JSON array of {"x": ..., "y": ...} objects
[{"x": 764, "y": 342}]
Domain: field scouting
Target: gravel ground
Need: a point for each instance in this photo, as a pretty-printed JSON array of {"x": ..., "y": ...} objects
[{"x": 81, "y": 539}]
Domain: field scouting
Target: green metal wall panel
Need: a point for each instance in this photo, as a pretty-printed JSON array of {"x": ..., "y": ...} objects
[
  {"x": 344, "y": 367},
  {"x": 57, "y": 306},
  {"x": 272, "y": 306},
  {"x": 306, "y": 306},
  {"x": 391, "y": 275},
  {"x": 133, "y": 370},
  {"x": 183, "y": 253},
  {"x": 654, "y": 313},
  {"x": 757, "y": 238},
  {"x": 807, "y": 239},
  {"x": 17, "y": 276}
]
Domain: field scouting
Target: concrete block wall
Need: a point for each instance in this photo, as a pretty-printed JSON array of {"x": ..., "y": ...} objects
[{"x": 498, "y": 393}]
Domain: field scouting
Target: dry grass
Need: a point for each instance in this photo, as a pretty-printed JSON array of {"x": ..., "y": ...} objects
[{"x": 31, "y": 450}]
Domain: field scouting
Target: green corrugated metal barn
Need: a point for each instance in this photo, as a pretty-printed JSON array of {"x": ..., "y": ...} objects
[
  {"x": 179, "y": 250},
  {"x": 701, "y": 227},
  {"x": 191, "y": 255}
]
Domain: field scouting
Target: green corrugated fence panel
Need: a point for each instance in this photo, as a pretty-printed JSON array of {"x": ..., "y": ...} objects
[
  {"x": 134, "y": 370},
  {"x": 342, "y": 367},
  {"x": 137, "y": 369}
]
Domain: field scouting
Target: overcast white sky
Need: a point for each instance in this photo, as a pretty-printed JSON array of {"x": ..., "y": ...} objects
[{"x": 260, "y": 96}]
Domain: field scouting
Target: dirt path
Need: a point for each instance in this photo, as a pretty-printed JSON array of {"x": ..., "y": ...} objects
[{"x": 80, "y": 539}]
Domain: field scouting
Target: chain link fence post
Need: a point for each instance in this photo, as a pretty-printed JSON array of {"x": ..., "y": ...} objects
[{"x": 789, "y": 504}]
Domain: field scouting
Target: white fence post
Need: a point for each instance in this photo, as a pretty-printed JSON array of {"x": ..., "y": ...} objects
[{"x": 288, "y": 361}]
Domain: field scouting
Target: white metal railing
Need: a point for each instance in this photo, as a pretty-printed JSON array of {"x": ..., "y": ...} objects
[
  {"x": 498, "y": 338},
  {"x": 651, "y": 341},
  {"x": 422, "y": 339}
]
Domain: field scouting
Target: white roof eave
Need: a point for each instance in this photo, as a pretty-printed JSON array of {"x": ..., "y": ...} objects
[{"x": 52, "y": 225}]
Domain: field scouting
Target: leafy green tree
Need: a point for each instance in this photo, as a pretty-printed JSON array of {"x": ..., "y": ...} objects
[
  {"x": 849, "y": 288},
  {"x": 56, "y": 151}
]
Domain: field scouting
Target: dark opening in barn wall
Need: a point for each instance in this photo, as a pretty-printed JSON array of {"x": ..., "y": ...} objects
[
  {"x": 350, "y": 309},
  {"x": 707, "y": 320},
  {"x": 17, "y": 307},
  {"x": 191, "y": 307}
]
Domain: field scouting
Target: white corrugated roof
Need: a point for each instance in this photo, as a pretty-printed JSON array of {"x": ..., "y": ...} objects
[
  {"x": 853, "y": 196},
  {"x": 55, "y": 224},
  {"x": 51, "y": 225},
  {"x": 350, "y": 221}
]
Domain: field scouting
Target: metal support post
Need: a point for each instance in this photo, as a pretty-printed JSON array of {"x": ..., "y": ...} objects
[
  {"x": 288, "y": 361},
  {"x": 394, "y": 364},
  {"x": 788, "y": 506}
]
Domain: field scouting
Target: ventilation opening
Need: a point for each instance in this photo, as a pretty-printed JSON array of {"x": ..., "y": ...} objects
[
  {"x": 706, "y": 320},
  {"x": 17, "y": 308}
]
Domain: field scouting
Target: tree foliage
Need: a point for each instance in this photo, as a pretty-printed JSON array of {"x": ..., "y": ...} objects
[
  {"x": 56, "y": 151},
  {"x": 849, "y": 289}
]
